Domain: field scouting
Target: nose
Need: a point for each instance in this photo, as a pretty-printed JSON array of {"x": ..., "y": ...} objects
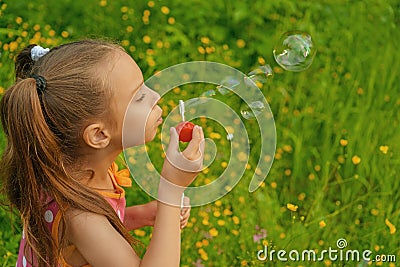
[{"x": 154, "y": 96}]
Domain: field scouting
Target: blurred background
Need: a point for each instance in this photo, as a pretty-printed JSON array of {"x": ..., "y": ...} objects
[{"x": 335, "y": 173}]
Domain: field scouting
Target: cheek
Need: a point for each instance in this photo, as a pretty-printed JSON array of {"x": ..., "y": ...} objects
[{"x": 133, "y": 131}]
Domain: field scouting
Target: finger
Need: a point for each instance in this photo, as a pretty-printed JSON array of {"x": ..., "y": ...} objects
[
  {"x": 184, "y": 223},
  {"x": 185, "y": 205},
  {"x": 173, "y": 141},
  {"x": 194, "y": 144},
  {"x": 185, "y": 213},
  {"x": 186, "y": 201}
]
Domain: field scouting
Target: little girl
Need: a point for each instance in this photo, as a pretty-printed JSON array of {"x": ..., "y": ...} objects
[{"x": 63, "y": 120}]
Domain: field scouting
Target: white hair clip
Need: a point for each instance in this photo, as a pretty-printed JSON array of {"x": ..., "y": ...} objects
[{"x": 38, "y": 52}]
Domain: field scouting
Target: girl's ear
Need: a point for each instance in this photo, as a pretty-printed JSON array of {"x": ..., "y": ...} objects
[{"x": 96, "y": 136}]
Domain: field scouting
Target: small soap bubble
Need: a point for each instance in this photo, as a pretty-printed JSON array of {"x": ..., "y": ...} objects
[
  {"x": 227, "y": 85},
  {"x": 258, "y": 76},
  {"x": 295, "y": 51},
  {"x": 252, "y": 110},
  {"x": 264, "y": 71},
  {"x": 208, "y": 93},
  {"x": 229, "y": 136}
]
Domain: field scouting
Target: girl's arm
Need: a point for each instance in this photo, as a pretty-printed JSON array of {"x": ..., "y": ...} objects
[
  {"x": 139, "y": 216},
  {"x": 99, "y": 243}
]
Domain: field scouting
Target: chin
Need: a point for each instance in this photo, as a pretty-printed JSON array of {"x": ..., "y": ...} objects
[{"x": 150, "y": 138}]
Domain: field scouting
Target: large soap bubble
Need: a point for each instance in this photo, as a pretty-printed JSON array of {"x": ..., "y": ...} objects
[{"x": 295, "y": 51}]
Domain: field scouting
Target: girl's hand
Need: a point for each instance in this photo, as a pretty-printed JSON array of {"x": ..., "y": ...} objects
[
  {"x": 185, "y": 212},
  {"x": 181, "y": 168},
  {"x": 145, "y": 215}
]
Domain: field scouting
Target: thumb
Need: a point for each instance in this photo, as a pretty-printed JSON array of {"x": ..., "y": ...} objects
[{"x": 173, "y": 141}]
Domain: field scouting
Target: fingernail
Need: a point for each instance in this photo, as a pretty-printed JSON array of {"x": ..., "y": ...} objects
[{"x": 181, "y": 217}]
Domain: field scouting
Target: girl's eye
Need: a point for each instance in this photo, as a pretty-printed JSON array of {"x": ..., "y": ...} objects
[{"x": 141, "y": 97}]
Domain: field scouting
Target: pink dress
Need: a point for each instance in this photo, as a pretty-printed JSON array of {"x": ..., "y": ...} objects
[{"x": 52, "y": 216}]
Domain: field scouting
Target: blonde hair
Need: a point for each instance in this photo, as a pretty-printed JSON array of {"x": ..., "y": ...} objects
[{"x": 44, "y": 134}]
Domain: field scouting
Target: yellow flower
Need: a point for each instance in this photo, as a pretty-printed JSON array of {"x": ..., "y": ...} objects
[
  {"x": 146, "y": 39},
  {"x": 18, "y": 20},
  {"x": 384, "y": 149},
  {"x": 240, "y": 43},
  {"x": 227, "y": 212},
  {"x": 165, "y": 10},
  {"x": 221, "y": 222},
  {"x": 322, "y": 224},
  {"x": 217, "y": 213},
  {"x": 374, "y": 212},
  {"x": 125, "y": 42},
  {"x": 205, "y": 242},
  {"x": 150, "y": 3},
  {"x": 242, "y": 156},
  {"x": 235, "y": 232},
  {"x": 274, "y": 185},
  {"x": 201, "y": 50},
  {"x": 199, "y": 244},
  {"x": 301, "y": 196},
  {"x": 129, "y": 28},
  {"x": 64, "y": 34},
  {"x": 291, "y": 207},
  {"x": 171, "y": 20},
  {"x": 13, "y": 46},
  {"x": 103, "y": 3},
  {"x": 203, "y": 254},
  {"x": 213, "y": 232},
  {"x": 235, "y": 220},
  {"x": 356, "y": 160},
  {"x": 205, "y": 40},
  {"x": 139, "y": 232},
  {"x": 392, "y": 228},
  {"x": 215, "y": 135},
  {"x": 343, "y": 142}
]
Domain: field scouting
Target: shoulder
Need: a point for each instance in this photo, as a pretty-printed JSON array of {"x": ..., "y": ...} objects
[{"x": 97, "y": 240}]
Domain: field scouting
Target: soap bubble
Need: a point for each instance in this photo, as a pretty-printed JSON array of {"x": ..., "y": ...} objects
[
  {"x": 252, "y": 110},
  {"x": 229, "y": 136},
  {"x": 295, "y": 51},
  {"x": 259, "y": 75},
  {"x": 208, "y": 93},
  {"x": 264, "y": 71},
  {"x": 227, "y": 85}
]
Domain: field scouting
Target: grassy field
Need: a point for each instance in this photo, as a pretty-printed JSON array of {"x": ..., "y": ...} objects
[{"x": 336, "y": 167}]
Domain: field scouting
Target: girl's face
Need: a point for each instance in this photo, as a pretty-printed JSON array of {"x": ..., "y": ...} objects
[{"x": 138, "y": 115}]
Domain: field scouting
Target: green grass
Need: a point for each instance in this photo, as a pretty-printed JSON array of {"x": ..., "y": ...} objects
[{"x": 333, "y": 121}]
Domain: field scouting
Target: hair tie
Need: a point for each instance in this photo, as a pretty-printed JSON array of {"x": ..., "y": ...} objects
[
  {"x": 38, "y": 52},
  {"x": 40, "y": 83}
]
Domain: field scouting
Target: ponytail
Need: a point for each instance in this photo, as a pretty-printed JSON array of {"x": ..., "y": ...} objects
[{"x": 29, "y": 142}]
